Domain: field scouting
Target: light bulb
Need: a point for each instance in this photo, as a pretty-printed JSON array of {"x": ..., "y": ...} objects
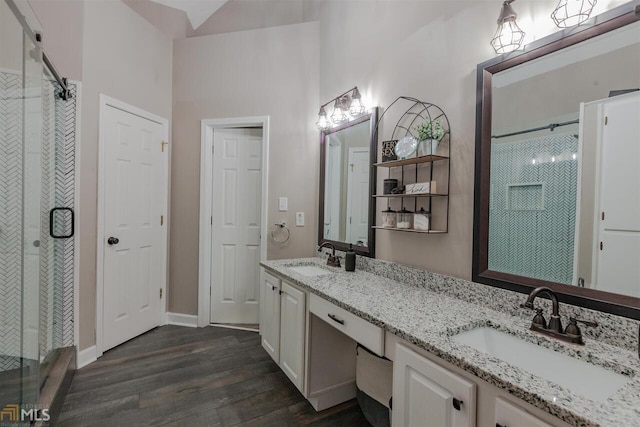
[
  {"x": 508, "y": 36},
  {"x": 338, "y": 116},
  {"x": 357, "y": 107},
  {"x": 569, "y": 13},
  {"x": 323, "y": 122}
]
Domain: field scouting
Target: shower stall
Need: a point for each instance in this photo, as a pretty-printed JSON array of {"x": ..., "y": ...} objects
[{"x": 37, "y": 192}]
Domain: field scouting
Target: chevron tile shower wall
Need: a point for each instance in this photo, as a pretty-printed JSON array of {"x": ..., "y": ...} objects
[
  {"x": 532, "y": 208},
  {"x": 10, "y": 219},
  {"x": 56, "y": 317}
]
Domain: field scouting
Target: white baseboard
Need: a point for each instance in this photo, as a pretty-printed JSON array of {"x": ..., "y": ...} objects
[
  {"x": 332, "y": 396},
  {"x": 86, "y": 356},
  {"x": 177, "y": 319}
]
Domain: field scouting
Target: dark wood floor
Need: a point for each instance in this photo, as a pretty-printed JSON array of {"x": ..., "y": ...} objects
[{"x": 177, "y": 376}]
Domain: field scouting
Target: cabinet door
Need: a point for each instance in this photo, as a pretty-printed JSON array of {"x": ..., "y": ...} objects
[
  {"x": 270, "y": 319},
  {"x": 292, "y": 322},
  {"x": 426, "y": 394},
  {"x": 510, "y": 415}
]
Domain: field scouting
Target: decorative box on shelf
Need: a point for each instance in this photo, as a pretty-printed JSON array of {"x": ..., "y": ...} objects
[{"x": 421, "y": 188}]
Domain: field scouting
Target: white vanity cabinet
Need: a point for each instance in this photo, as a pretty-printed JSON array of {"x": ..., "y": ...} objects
[
  {"x": 510, "y": 415},
  {"x": 270, "y": 315},
  {"x": 292, "y": 329},
  {"x": 283, "y": 325},
  {"x": 426, "y": 394}
]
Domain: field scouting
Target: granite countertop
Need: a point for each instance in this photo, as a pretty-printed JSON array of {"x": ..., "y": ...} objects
[{"x": 429, "y": 320}]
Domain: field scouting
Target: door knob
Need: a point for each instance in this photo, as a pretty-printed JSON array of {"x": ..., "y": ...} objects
[{"x": 113, "y": 240}]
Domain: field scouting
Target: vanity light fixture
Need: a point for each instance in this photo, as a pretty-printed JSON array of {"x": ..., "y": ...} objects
[
  {"x": 508, "y": 36},
  {"x": 323, "y": 122},
  {"x": 570, "y": 13},
  {"x": 346, "y": 106}
]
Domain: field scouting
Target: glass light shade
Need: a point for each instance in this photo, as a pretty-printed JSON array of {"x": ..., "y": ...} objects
[
  {"x": 338, "y": 116},
  {"x": 357, "y": 107},
  {"x": 570, "y": 13},
  {"x": 508, "y": 37},
  {"x": 323, "y": 122}
]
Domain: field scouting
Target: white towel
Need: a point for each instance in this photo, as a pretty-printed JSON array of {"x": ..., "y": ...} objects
[{"x": 374, "y": 376}]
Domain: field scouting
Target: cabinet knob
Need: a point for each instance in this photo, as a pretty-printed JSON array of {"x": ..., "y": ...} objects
[
  {"x": 457, "y": 404},
  {"x": 113, "y": 240}
]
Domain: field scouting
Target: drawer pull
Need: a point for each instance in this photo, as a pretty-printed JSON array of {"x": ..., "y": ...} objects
[
  {"x": 335, "y": 319},
  {"x": 500, "y": 425},
  {"x": 457, "y": 404}
]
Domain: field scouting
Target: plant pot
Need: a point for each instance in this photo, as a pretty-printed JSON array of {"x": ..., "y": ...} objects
[{"x": 428, "y": 147}]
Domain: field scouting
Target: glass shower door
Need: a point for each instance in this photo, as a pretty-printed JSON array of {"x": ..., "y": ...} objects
[{"x": 21, "y": 230}]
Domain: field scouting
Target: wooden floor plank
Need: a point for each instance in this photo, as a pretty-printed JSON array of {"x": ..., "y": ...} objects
[{"x": 177, "y": 376}]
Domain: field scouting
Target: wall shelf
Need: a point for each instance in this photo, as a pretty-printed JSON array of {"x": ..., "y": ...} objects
[
  {"x": 411, "y": 161},
  {"x": 410, "y": 230},
  {"x": 433, "y": 168},
  {"x": 411, "y": 195}
]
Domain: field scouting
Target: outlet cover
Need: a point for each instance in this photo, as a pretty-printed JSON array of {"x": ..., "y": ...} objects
[{"x": 299, "y": 219}]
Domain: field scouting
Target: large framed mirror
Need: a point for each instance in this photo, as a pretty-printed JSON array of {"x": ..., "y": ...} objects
[
  {"x": 557, "y": 184},
  {"x": 347, "y": 185}
]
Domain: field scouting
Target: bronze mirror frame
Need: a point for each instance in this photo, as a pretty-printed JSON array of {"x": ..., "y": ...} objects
[
  {"x": 617, "y": 304},
  {"x": 369, "y": 250}
]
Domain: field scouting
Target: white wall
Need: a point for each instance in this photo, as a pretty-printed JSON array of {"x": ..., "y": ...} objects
[
  {"x": 62, "y": 30},
  {"x": 273, "y": 72}
]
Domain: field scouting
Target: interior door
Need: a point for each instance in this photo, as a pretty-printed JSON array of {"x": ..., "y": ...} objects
[
  {"x": 237, "y": 204},
  {"x": 618, "y": 262},
  {"x": 358, "y": 195},
  {"x": 135, "y": 188}
]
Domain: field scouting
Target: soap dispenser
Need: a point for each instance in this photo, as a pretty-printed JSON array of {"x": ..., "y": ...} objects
[{"x": 350, "y": 259}]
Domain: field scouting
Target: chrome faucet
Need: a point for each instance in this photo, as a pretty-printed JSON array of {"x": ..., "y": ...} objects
[
  {"x": 332, "y": 260},
  {"x": 571, "y": 334}
]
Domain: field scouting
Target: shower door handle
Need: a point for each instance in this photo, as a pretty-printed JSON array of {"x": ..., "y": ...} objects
[{"x": 51, "y": 221}]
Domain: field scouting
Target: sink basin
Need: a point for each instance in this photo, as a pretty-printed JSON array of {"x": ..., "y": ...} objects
[
  {"x": 310, "y": 270},
  {"x": 582, "y": 378}
]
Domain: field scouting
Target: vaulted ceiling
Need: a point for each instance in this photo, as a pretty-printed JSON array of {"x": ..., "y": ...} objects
[
  {"x": 197, "y": 11},
  {"x": 192, "y": 18}
]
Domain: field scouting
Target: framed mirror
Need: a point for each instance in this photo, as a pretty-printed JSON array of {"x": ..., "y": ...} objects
[
  {"x": 557, "y": 183},
  {"x": 347, "y": 185}
]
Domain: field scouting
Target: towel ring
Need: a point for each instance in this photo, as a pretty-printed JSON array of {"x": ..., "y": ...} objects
[{"x": 282, "y": 225}]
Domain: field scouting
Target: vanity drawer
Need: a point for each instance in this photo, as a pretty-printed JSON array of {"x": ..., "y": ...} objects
[{"x": 370, "y": 336}]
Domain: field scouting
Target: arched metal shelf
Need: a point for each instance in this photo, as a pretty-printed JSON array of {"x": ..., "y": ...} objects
[{"x": 436, "y": 203}]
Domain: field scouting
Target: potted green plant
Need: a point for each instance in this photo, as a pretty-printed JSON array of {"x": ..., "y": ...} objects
[{"x": 430, "y": 133}]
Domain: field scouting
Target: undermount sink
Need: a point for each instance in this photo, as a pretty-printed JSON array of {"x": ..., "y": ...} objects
[
  {"x": 310, "y": 270},
  {"x": 582, "y": 378}
]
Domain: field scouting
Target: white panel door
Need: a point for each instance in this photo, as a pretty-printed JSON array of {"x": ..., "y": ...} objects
[
  {"x": 424, "y": 393},
  {"x": 292, "y": 327},
  {"x": 135, "y": 189},
  {"x": 509, "y": 415},
  {"x": 358, "y": 195},
  {"x": 619, "y": 229},
  {"x": 270, "y": 322},
  {"x": 237, "y": 199}
]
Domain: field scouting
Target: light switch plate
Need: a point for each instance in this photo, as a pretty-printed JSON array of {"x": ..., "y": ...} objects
[
  {"x": 299, "y": 219},
  {"x": 282, "y": 204}
]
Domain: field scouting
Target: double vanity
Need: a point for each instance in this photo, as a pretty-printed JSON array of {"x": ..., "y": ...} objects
[{"x": 463, "y": 355}]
